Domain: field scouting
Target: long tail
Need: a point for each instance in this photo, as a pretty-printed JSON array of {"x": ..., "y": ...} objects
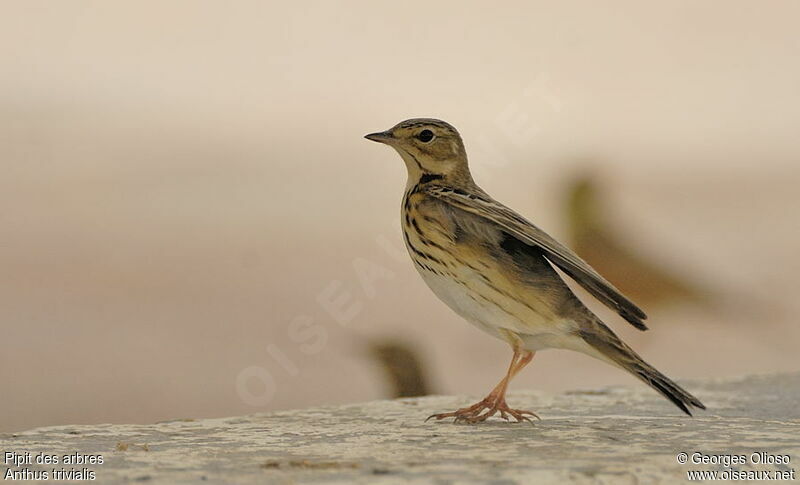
[{"x": 601, "y": 338}]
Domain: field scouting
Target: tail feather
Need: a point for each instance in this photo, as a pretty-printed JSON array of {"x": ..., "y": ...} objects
[
  {"x": 663, "y": 384},
  {"x": 615, "y": 350}
]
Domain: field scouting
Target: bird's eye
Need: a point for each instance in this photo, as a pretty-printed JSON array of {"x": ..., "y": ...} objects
[{"x": 425, "y": 136}]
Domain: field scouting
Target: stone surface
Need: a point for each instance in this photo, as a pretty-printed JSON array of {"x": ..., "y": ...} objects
[{"x": 614, "y": 435}]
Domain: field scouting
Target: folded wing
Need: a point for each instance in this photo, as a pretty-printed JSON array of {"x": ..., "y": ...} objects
[{"x": 558, "y": 254}]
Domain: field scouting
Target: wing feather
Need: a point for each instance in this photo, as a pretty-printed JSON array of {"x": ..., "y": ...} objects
[{"x": 517, "y": 226}]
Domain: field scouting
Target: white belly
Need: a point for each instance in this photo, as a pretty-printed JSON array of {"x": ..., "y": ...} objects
[
  {"x": 455, "y": 295},
  {"x": 536, "y": 333}
]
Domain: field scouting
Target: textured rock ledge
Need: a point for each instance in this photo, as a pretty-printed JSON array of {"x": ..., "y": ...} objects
[{"x": 614, "y": 435}]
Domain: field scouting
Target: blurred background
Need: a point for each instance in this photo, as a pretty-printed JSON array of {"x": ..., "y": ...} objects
[{"x": 191, "y": 224}]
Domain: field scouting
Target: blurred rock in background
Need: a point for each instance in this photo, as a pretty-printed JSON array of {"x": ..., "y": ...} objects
[
  {"x": 404, "y": 370},
  {"x": 591, "y": 231}
]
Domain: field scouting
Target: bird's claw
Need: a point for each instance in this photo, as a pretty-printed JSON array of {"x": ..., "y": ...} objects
[{"x": 485, "y": 409}]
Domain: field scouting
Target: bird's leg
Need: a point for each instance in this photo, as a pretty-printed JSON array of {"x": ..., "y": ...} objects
[
  {"x": 485, "y": 403},
  {"x": 500, "y": 401},
  {"x": 496, "y": 400}
]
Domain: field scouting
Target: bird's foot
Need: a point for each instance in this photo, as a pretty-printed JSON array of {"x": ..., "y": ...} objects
[
  {"x": 467, "y": 412},
  {"x": 518, "y": 414},
  {"x": 484, "y": 409}
]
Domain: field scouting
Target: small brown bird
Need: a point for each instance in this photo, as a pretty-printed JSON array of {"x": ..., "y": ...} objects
[{"x": 495, "y": 269}]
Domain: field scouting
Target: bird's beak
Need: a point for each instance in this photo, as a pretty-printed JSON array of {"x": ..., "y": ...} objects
[{"x": 380, "y": 137}]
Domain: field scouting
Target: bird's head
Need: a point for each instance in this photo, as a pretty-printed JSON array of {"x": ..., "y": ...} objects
[{"x": 428, "y": 146}]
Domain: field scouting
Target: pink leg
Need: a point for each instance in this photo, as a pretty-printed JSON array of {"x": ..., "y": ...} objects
[{"x": 496, "y": 400}]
